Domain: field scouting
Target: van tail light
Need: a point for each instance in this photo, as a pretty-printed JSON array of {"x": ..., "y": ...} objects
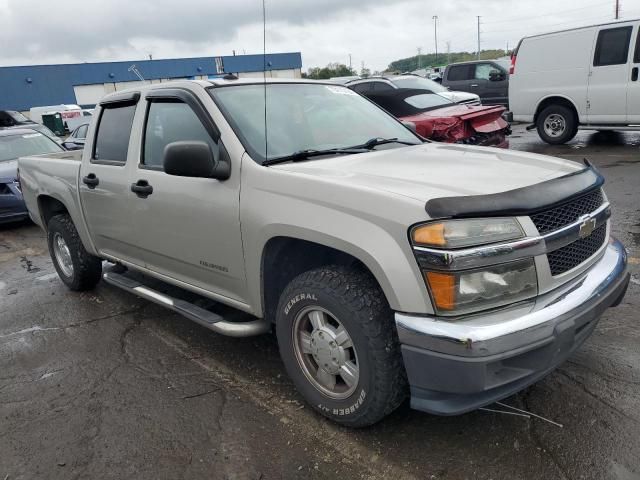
[{"x": 512, "y": 68}]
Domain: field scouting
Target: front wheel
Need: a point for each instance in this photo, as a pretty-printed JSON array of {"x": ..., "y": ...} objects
[
  {"x": 339, "y": 345},
  {"x": 78, "y": 269},
  {"x": 557, "y": 124}
]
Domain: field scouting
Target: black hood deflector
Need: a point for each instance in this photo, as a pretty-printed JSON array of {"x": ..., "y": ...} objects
[{"x": 521, "y": 201}]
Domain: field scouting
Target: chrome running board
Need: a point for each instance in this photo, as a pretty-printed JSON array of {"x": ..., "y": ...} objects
[{"x": 207, "y": 319}]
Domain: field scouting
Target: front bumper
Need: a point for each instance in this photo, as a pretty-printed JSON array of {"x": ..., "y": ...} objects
[{"x": 455, "y": 366}]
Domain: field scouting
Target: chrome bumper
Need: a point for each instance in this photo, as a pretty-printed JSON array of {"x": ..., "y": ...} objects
[{"x": 456, "y": 365}]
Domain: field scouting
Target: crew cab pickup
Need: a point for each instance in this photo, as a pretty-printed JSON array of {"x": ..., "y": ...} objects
[{"x": 387, "y": 265}]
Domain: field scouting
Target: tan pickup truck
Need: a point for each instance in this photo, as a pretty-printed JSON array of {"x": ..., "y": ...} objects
[{"x": 387, "y": 265}]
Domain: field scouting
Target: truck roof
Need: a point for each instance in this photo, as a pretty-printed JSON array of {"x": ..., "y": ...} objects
[
  {"x": 216, "y": 82},
  {"x": 580, "y": 28}
]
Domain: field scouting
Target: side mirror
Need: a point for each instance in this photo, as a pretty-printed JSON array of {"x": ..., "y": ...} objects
[
  {"x": 496, "y": 75},
  {"x": 194, "y": 159}
]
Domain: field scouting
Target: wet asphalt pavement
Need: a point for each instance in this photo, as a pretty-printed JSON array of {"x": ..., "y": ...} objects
[{"x": 105, "y": 385}]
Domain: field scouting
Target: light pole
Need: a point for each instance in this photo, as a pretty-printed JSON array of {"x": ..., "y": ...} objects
[{"x": 435, "y": 30}]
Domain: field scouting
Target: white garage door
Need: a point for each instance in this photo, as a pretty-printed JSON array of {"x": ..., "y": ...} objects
[{"x": 89, "y": 94}]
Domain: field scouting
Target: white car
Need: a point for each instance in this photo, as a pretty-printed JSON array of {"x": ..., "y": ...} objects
[
  {"x": 416, "y": 82},
  {"x": 590, "y": 82}
]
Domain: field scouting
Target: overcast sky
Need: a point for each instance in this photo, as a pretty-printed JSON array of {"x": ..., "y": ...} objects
[{"x": 375, "y": 32}]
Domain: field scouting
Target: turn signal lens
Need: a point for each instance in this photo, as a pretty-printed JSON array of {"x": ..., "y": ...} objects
[
  {"x": 466, "y": 233},
  {"x": 432, "y": 234},
  {"x": 443, "y": 289}
]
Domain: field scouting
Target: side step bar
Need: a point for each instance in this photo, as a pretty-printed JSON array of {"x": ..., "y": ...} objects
[{"x": 207, "y": 319}]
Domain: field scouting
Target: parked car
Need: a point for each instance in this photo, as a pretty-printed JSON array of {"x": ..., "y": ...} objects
[
  {"x": 15, "y": 143},
  {"x": 13, "y": 119},
  {"x": 75, "y": 141},
  {"x": 590, "y": 82},
  {"x": 434, "y": 116},
  {"x": 487, "y": 78},
  {"x": 387, "y": 266},
  {"x": 410, "y": 80}
]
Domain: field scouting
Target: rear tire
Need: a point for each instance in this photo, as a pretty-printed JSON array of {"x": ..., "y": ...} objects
[
  {"x": 557, "y": 124},
  {"x": 339, "y": 344},
  {"x": 78, "y": 269}
]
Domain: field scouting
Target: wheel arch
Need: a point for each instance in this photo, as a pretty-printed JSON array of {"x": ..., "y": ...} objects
[
  {"x": 556, "y": 100},
  {"x": 48, "y": 207},
  {"x": 285, "y": 257}
]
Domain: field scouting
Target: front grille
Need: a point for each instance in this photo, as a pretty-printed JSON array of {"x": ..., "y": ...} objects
[
  {"x": 558, "y": 217},
  {"x": 572, "y": 255}
]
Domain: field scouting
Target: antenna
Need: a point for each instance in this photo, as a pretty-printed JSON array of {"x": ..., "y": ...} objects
[
  {"x": 264, "y": 73},
  {"x": 134, "y": 69}
]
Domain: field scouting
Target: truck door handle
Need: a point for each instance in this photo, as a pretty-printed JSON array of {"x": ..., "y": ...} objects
[
  {"x": 91, "y": 181},
  {"x": 473, "y": 85},
  {"x": 634, "y": 74},
  {"x": 142, "y": 188}
]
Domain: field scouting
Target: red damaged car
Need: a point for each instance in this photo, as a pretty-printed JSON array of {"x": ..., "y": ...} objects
[{"x": 434, "y": 116}]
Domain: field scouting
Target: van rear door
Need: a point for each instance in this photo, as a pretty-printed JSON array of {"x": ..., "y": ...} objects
[
  {"x": 609, "y": 74},
  {"x": 633, "y": 89}
]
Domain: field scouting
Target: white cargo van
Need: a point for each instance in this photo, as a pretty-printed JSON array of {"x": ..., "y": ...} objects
[{"x": 583, "y": 78}]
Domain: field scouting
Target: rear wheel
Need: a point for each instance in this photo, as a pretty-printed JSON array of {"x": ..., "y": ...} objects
[
  {"x": 78, "y": 269},
  {"x": 557, "y": 124},
  {"x": 339, "y": 345}
]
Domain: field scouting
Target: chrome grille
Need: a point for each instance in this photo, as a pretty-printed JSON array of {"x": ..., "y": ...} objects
[
  {"x": 572, "y": 255},
  {"x": 558, "y": 217}
]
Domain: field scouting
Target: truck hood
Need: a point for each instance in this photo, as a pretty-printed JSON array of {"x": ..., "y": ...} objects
[
  {"x": 436, "y": 170},
  {"x": 8, "y": 170}
]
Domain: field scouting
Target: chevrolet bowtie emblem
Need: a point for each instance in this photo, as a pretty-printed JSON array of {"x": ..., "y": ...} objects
[{"x": 587, "y": 226}]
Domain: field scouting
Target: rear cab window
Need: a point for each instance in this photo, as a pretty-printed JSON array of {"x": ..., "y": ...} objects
[
  {"x": 636, "y": 55},
  {"x": 114, "y": 131},
  {"x": 461, "y": 72},
  {"x": 612, "y": 47}
]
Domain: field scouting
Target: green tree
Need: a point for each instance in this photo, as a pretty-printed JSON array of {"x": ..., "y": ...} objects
[
  {"x": 429, "y": 60},
  {"x": 331, "y": 70}
]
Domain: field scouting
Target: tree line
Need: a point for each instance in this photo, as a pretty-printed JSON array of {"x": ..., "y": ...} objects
[{"x": 402, "y": 65}]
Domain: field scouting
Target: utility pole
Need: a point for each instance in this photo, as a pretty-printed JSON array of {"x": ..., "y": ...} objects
[
  {"x": 617, "y": 9},
  {"x": 419, "y": 59},
  {"x": 448, "y": 52},
  {"x": 350, "y": 69},
  {"x": 478, "y": 54},
  {"x": 435, "y": 31}
]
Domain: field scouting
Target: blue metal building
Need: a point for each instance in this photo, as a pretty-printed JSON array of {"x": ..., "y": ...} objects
[{"x": 28, "y": 86}]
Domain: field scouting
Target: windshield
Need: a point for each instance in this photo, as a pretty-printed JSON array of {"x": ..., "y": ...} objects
[
  {"x": 504, "y": 63},
  {"x": 15, "y": 146},
  {"x": 419, "y": 83},
  {"x": 304, "y": 116},
  {"x": 18, "y": 117}
]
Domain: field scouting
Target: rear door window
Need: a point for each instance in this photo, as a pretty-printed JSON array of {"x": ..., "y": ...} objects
[
  {"x": 636, "y": 55},
  {"x": 612, "y": 47},
  {"x": 461, "y": 72},
  {"x": 362, "y": 87},
  {"x": 114, "y": 131}
]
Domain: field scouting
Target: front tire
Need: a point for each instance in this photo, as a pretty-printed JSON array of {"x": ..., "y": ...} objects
[
  {"x": 557, "y": 124},
  {"x": 339, "y": 344},
  {"x": 78, "y": 269}
]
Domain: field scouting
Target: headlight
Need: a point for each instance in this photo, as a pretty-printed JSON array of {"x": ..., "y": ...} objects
[
  {"x": 466, "y": 232},
  {"x": 455, "y": 293}
]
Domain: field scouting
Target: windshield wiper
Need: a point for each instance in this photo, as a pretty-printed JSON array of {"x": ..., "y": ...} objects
[
  {"x": 310, "y": 153},
  {"x": 374, "y": 142}
]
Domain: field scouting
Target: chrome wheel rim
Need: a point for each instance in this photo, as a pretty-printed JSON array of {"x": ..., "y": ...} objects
[
  {"x": 325, "y": 352},
  {"x": 63, "y": 255},
  {"x": 554, "y": 125}
]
